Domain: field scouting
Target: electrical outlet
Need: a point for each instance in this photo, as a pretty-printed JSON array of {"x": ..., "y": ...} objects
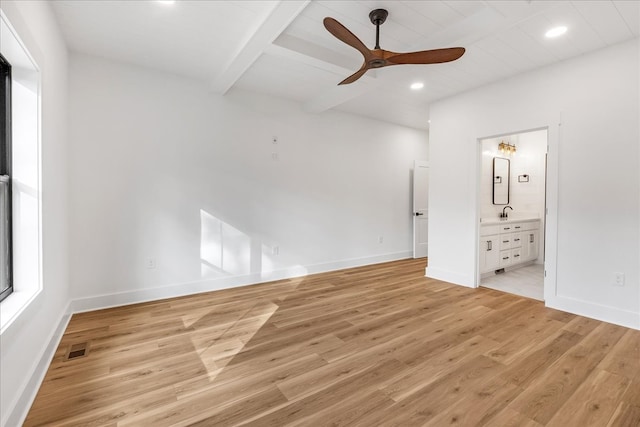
[
  {"x": 276, "y": 250},
  {"x": 150, "y": 263},
  {"x": 274, "y": 157},
  {"x": 380, "y": 239},
  {"x": 618, "y": 279}
]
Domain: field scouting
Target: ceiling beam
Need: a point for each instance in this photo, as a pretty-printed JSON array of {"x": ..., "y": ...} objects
[
  {"x": 309, "y": 53},
  {"x": 282, "y": 14},
  {"x": 339, "y": 95}
]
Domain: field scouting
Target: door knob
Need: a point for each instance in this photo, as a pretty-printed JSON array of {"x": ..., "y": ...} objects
[{"x": 419, "y": 213}]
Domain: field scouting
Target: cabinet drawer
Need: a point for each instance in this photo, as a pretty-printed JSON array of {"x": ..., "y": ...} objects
[
  {"x": 516, "y": 256},
  {"x": 506, "y": 228},
  {"x": 488, "y": 230},
  {"x": 531, "y": 225},
  {"x": 516, "y": 240},
  {"x": 505, "y": 259},
  {"x": 517, "y": 227},
  {"x": 506, "y": 241}
]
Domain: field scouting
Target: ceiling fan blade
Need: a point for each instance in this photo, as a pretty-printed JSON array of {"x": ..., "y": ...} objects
[
  {"x": 346, "y": 36},
  {"x": 434, "y": 56},
  {"x": 355, "y": 76}
]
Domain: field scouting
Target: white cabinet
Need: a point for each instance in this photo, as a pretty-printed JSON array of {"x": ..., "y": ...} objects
[
  {"x": 489, "y": 253},
  {"x": 508, "y": 244}
]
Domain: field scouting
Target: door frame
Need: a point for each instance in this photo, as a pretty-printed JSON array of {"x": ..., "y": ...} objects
[
  {"x": 416, "y": 164},
  {"x": 551, "y": 206}
]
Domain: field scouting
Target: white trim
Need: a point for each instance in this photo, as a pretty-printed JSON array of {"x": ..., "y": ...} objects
[
  {"x": 17, "y": 411},
  {"x": 551, "y": 219},
  {"x": 190, "y": 288},
  {"x": 604, "y": 313},
  {"x": 24, "y": 291},
  {"x": 418, "y": 164},
  {"x": 449, "y": 276}
]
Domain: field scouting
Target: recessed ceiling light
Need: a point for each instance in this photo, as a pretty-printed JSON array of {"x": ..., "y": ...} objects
[
  {"x": 167, "y": 2},
  {"x": 555, "y": 32},
  {"x": 417, "y": 86}
]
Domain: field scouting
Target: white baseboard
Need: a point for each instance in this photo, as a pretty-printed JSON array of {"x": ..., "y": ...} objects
[
  {"x": 605, "y": 313},
  {"x": 18, "y": 410},
  {"x": 627, "y": 318},
  {"x": 153, "y": 294},
  {"x": 449, "y": 276}
]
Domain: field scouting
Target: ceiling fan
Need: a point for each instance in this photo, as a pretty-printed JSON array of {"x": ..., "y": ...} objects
[{"x": 376, "y": 57}]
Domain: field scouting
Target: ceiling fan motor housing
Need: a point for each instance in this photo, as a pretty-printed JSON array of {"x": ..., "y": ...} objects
[{"x": 378, "y": 16}]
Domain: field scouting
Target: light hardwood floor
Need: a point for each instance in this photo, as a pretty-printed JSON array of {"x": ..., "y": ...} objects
[{"x": 373, "y": 346}]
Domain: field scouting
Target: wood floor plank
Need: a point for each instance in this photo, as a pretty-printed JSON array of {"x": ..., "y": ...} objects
[
  {"x": 479, "y": 406},
  {"x": 533, "y": 364},
  {"x": 510, "y": 418},
  {"x": 549, "y": 392},
  {"x": 306, "y": 407},
  {"x": 523, "y": 340},
  {"x": 581, "y": 325},
  {"x": 380, "y": 345},
  {"x": 348, "y": 411},
  {"x": 426, "y": 403},
  {"x": 419, "y": 376},
  {"x": 624, "y": 357},
  {"x": 594, "y": 402},
  {"x": 626, "y": 415},
  {"x": 316, "y": 380}
]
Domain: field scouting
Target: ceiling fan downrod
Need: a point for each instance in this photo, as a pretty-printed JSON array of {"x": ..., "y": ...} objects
[{"x": 377, "y": 17}]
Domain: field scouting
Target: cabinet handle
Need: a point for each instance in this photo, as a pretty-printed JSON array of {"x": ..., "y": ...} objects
[
  {"x": 489, "y": 245},
  {"x": 505, "y": 241},
  {"x": 517, "y": 226},
  {"x": 531, "y": 238},
  {"x": 516, "y": 256},
  {"x": 516, "y": 240},
  {"x": 507, "y": 228},
  {"x": 505, "y": 257}
]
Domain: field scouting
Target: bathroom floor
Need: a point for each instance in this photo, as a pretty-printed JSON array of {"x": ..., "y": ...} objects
[{"x": 526, "y": 281}]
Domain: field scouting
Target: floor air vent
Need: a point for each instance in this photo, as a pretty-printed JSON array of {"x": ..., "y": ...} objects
[{"x": 77, "y": 350}]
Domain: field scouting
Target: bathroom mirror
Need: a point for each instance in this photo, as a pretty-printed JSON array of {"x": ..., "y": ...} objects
[{"x": 501, "y": 170}]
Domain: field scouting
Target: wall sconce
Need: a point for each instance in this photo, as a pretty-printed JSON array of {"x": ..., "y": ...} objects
[{"x": 506, "y": 148}]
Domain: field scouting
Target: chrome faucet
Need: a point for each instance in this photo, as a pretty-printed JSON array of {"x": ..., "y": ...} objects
[{"x": 504, "y": 214}]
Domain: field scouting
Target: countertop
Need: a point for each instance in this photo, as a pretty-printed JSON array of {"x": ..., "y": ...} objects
[{"x": 494, "y": 221}]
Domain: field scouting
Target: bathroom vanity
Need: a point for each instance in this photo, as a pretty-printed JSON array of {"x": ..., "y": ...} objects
[{"x": 508, "y": 244}]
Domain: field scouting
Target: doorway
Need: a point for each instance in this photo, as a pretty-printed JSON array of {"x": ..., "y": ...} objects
[{"x": 511, "y": 214}]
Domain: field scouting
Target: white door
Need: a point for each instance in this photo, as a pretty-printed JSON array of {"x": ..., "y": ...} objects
[{"x": 420, "y": 208}]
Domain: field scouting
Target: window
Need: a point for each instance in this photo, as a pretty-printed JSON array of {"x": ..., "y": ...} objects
[{"x": 6, "y": 284}]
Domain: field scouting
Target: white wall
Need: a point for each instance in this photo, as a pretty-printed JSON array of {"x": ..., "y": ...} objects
[
  {"x": 27, "y": 343},
  {"x": 163, "y": 169},
  {"x": 590, "y": 104}
]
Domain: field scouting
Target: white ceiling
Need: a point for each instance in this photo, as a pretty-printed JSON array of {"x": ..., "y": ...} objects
[{"x": 282, "y": 48}]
